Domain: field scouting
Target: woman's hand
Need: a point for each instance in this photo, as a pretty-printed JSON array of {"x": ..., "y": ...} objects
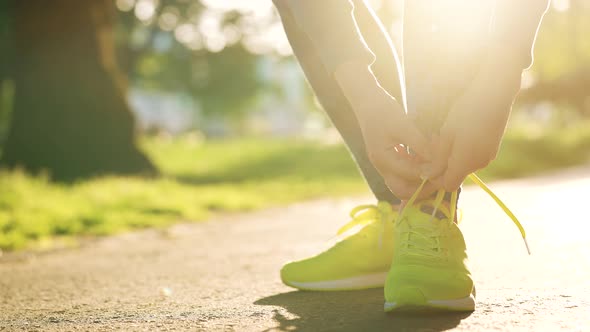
[
  {"x": 468, "y": 141},
  {"x": 471, "y": 135},
  {"x": 387, "y": 131}
]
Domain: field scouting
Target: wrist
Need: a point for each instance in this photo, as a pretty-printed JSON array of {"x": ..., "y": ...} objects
[
  {"x": 360, "y": 87},
  {"x": 500, "y": 75}
]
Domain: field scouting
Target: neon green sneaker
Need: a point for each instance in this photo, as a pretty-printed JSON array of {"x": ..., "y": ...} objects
[
  {"x": 429, "y": 267},
  {"x": 429, "y": 264},
  {"x": 359, "y": 259}
]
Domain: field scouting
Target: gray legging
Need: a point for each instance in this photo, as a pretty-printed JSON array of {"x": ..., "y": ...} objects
[{"x": 327, "y": 89}]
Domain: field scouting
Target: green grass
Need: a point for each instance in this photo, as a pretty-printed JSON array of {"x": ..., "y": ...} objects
[
  {"x": 199, "y": 179},
  {"x": 530, "y": 151},
  {"x": 203, "y": 178}
]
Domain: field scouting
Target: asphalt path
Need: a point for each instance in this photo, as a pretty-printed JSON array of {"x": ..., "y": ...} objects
[{"x": 222, "y": 275}]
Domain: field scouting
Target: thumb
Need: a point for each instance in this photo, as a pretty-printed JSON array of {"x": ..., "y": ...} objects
[
  {"x": 443, "y": 148},
  {"x": 409, "y": 135},
  {"x": 455, "y": 174}
]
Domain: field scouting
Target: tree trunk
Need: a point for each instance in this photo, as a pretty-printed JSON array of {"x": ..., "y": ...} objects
[{"x": 70, "y": 114}]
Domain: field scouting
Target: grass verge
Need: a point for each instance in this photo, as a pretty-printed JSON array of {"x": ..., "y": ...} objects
[{"x": 202, "y": 178}]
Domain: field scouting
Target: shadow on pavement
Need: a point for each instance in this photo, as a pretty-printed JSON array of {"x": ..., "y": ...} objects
[{"x": 350, "y": 311}]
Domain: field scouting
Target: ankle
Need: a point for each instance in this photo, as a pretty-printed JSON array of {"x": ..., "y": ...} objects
[{"x": 445, "y": 204}]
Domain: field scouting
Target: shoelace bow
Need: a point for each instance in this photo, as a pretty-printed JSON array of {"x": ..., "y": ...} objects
[
  {"x": 450, "y": 213},
  {"x": 385, "y": 213},
  {"x": 360, "y": 217}
]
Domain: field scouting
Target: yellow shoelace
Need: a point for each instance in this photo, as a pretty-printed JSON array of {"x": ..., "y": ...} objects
[
  {"x": 453, "y": 208},
  {"x": 360, "y": 218}
]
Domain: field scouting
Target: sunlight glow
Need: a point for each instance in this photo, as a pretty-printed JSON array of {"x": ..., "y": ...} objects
[
  {"x": 186, "y": 33},
  {"x": 258, "y": 28},
  {"x": 454, "y": 29},
  {"x": 125, "y": 5},
  {"x": 528, "y": 79},
  {"x": 232, "y": 34},
  {"x": 561, "y": 5},
  {"x": 243, "y": 7},
  {"x": 169, "y": 18},
  {"x": 145, "y": 9},
  {"x": 376, "y": 4}
]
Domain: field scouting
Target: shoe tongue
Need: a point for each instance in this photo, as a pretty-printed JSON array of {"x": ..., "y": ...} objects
[
  {"x": 420, "y": 218},
  {"x": 428, "y": 209},
  {"x": 424, "y": 226}
]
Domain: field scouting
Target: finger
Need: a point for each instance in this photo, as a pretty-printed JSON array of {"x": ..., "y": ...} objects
[
  {"x": 390, "y": 163},
  {"x": 404, "y": 190},
  {"x": 443, "y": 146},
  {"x": 438, "y": 182},
  {"x": 407, "y": 134},
  {"x": 402, "y": 152},
  {"x": 457, "y": 171},
  {"x": 427, "y": 191},
  {"x": 401, "y": 188},
  {"x": 454, "y": 181}
]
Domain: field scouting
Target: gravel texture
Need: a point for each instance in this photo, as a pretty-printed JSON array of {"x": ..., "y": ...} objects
[{"x": 222, "y": 275}]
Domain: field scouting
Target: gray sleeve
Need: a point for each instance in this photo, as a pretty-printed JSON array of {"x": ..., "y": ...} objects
[
  {"x": 331, "y": 27},
  {"x": 515, "y": 28}
]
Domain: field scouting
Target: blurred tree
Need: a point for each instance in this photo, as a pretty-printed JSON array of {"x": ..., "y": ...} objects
[
  {"x": 6, "y": 86},
  {"x": 198, "y": 48},
  {"x": 70, "y": 114}
]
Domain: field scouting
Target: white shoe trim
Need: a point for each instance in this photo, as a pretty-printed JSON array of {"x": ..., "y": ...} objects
[
  {"x": 365, "y": 281},
  {"x": 467, "y": 303}
]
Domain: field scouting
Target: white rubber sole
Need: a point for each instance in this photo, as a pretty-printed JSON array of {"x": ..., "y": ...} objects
[
  {"x": 464, "y": 304},
  {"x": 367, "y": 281}
]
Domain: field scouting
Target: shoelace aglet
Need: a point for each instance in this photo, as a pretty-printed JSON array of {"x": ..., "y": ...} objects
[
  {"x": 528, "y": 249},
  {"x": 503, "y": 206}
]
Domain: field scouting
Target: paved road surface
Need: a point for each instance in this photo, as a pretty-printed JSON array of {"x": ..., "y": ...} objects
[{"x": 223, "y": 275}]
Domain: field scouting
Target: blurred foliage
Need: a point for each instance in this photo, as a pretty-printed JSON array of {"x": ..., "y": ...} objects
[
  {"x": 563, "y": 46},
  {"x": 6, "y": 86},
  {"x": 203, "y": 178},
  {"x": 201, "y": 50},
  {"x": 6, "y": 102},
  {"x": 212, "y": 51},
  {"x": 561, "y": 71}
]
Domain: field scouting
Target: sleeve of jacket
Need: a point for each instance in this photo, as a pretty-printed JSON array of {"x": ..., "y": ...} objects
[
  {"x": 515, "y": 28},
  {"x": 331, "y": 28}
]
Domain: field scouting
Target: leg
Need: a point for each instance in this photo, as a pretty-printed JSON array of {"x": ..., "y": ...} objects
[
  {"x": 330, "y": 95},
  {"x": 359, "y": 260},
  {"x": 387, "y": 67}
]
